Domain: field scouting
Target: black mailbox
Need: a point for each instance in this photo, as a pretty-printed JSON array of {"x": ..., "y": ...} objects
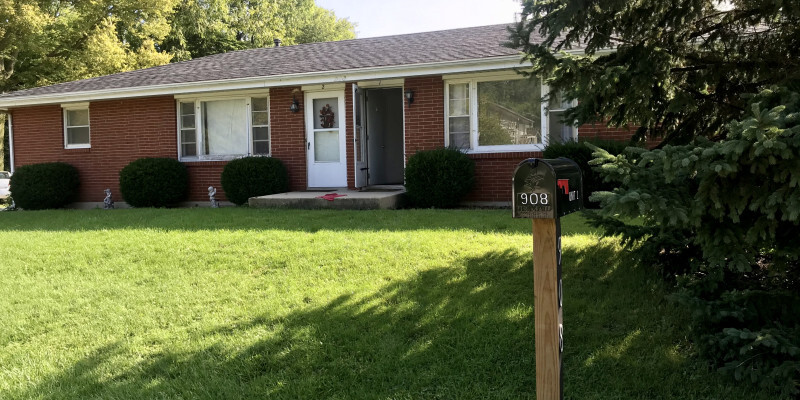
[{"x": 547, "y": 189}]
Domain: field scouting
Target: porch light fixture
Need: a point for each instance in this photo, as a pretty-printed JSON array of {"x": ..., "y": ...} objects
[
  {"x": 295, "y": 107},
  {"x": 409, "y": 96}
]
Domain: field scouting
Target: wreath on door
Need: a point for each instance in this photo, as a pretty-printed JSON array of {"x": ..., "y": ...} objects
[{"x": 326, "y": 116}]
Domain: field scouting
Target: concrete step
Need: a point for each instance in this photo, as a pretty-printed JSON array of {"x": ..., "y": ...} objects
[{"x": 383, "y": 199}]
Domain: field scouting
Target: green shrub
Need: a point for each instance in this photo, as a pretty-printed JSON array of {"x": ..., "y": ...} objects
[
  {"x": 154, "y": 182},
  {"x": 582, "y": 154},
  {"x": 43, "y": 186},
  {"x": 439, "y": 178},
  {"x": 248, "y": 177}
]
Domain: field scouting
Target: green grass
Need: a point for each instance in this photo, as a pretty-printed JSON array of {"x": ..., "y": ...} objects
[{"x": 244, "y": 303}]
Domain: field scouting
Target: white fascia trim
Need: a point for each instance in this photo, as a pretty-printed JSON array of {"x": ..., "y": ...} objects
[{"x": 311, "y": 78}]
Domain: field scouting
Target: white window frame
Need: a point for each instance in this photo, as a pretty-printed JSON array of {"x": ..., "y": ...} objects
[
  {"x": 65, "y": 108},
  {"x": 472, "y": 80},
  {"x": 198, "y": 123},
  {"x": 251, "y": 141},
  {"x": 572, "y": 103}
]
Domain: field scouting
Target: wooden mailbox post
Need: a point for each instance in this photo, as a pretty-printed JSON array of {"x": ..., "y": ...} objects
[{"x": 544, "y": 191}]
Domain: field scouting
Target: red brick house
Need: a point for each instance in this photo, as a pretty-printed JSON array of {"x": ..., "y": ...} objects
[{"x": 338, "y": 114}]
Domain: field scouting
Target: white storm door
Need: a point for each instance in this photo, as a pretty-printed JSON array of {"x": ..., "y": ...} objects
[
  {"x": 359, "y": 137},
  {"x": 325, "y": 130}
]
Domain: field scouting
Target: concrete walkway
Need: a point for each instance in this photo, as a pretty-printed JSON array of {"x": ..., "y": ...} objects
[{"x": 343, "y": 199}]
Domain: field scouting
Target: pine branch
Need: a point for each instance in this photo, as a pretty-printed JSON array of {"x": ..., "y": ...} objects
[{"x": 742, "y": 15}]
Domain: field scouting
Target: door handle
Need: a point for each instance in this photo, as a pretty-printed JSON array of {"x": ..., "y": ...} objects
[{"x": 309, "y": 146}]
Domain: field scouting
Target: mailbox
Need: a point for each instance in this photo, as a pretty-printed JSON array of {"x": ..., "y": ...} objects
[{"x": 547, "y": 189}]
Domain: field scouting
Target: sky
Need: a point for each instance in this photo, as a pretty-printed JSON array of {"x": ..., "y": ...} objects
[{"x": 393, "y": 17}]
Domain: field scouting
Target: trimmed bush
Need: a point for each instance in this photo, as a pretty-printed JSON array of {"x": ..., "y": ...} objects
[
  {"x": 582, "y": 154},
  {"x": 248, "y": 177},
  {"x": 43, "y": 186},
  {"x": 154, "y": 182},
  {"x": 439, "y": 178}
]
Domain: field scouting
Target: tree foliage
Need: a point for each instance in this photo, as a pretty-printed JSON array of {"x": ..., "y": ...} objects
[
  {"x": 717, "y": 204},
  {"x": 44, "y": 42},
  {"x": 723, "y": 218},
  {"x": 582, "y": 155},
  {"x": 677, "y": 68},
  {"x": 201, "y": 28}
]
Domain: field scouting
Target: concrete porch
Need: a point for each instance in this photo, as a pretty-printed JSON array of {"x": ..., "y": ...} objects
[{"x": 342, "y": 199}]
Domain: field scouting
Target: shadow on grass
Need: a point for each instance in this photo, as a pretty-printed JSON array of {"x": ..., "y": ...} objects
[
  {"x": 459, "y": 332},
  {"x": 238, "y": 219}
]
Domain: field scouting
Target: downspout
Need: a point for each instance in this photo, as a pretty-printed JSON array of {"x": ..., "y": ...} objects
[{"x": 10, "y": 142}]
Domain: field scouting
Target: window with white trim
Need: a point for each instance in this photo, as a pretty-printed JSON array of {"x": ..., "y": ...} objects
[
  {"x": 501, "y": 114},
  {"x": 188, "y": 129},
  {"x": 223, "y": 128},
  {"x": 77, "y": 134},
  {"x": 260, "y": 128}
]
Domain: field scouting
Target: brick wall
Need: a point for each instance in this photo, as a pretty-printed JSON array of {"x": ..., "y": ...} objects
[
  {"x": 493, "y": 174},
  {"x": 121, "y": 131},
  {"x": 125, "y": 130},
  {"x": 603, "y": 132},
  {"x": 288, "y": 134},
  {"x": 201, "y": 176},
  {"x": 424, "y": 118}
]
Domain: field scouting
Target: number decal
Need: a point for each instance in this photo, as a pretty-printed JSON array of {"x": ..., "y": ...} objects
[{"x": 535, "y": 199}]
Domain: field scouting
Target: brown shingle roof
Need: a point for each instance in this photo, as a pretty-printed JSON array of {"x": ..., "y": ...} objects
[{"x": 483, "y": 42}]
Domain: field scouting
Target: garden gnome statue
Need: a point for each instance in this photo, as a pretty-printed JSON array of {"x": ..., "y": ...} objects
[
  {"x": 211, "y": 193},
  {"x": 108, "y": 203}
]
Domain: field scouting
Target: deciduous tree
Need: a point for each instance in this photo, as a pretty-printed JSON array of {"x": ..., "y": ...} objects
[{"x": 201, "y": 28}]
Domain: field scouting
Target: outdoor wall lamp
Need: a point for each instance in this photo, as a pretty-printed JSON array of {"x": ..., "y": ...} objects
[
  {"x": 295, "y": 107},
  {"x": 409, "y": 96}
]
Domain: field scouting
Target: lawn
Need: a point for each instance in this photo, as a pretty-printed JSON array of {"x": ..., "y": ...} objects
[{"x": 245, "y": 303}]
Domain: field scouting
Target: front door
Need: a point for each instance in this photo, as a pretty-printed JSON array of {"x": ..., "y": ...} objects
[{"x": 325, "y": 130}]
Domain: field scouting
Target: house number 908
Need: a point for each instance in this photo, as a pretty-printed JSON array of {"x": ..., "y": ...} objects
[{"x": 535, "y": 199}]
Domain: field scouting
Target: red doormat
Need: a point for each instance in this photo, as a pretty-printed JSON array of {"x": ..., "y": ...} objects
[{"x": 331, "y": 196}]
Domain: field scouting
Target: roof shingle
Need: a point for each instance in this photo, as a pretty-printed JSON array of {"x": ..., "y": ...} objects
[{"x": 417, "y": 48}]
